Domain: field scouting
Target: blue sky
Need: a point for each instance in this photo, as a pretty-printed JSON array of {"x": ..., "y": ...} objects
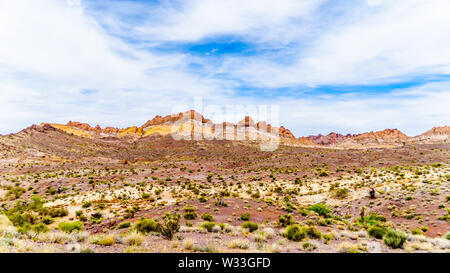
[{"x": 345, "y": 66}]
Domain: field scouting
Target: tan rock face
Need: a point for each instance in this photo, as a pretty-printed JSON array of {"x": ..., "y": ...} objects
[
  {"x": 247, "y": 126},
  {"x": 285, "y": 133},
  {"x": 171, "y": 119},
  {"x": 97, "y": 129},
  {"x": 435, "y": 135},
  {"x": 385, "y": 136},
  {"x": 331, "y": 138}
]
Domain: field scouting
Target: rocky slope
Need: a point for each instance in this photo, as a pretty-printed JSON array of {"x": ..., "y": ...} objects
[{"x": 193, "y": 124}]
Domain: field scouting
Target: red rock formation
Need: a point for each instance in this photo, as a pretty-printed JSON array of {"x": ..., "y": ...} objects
[
  {"x": 285, "y": 133},
  {"x": 331, "y": 138},
  {"x": 170, "y": 119},
  {"x": 97, "y": 129},
  {"x": 385, "y": 136},
  {"x": 434, "y": 135}
]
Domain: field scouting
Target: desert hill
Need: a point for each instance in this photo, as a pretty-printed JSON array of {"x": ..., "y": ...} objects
[{"x": 192, "y": 123}]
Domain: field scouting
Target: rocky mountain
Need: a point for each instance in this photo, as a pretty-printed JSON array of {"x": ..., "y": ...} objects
[
  {"x": 192, "y": 123},
  {"x": 185, "y": 123},
  {"x": 435, "y": 135},
  {"x": 384, "y": 137},
  {"x": 331, "y": 138}
]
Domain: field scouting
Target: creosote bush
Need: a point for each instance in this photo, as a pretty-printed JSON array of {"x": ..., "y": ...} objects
[
  {"x": 147, "y": 225},
  {"x": 394, "y": 238},
  {"x": 69, "y": 227},
  {"x": 295, "y": 233},
  {"x": 377, "y": 232},
  {"x": 170, "y": 225},
  {"x": 207, "y": 217},
  {"x": 285, "y": 220},
  {"x": 245, "y": 216},
  {"x": 321, "y": 209},
  {"x": 208, "y": 226},
  {"x": 250, "y": 226}
]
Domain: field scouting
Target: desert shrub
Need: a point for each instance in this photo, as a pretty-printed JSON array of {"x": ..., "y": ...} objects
[
  {"x": 189, "y": 212},
  {"x": 285, "y": 220},
  {"x": 394, "y": 238},
  {"x": 86, "y": 204},
  {"x": 328, "y": 237},
  {"x": 207, "y": 217},
  {"x": 57, "y": 212},
  {"x": 79, "y": 214},
  {"x": 170, "y": 225},
  {"x": 16, "y": 192},
  {"x": 377, "y": 232},
  {"x": 208, "y": 226},
  {"x": 321, "y": 209},
  {"x": 130, "y": 212},
  {"x": 124, "y": 225},
  {"x": 250, "y": 226},
  {"x": 188, "y": 244},
  {"x": 417, "y": 231},
  {"x": 69, "y": 227},
  {"x": 39, "y": 228},
  {"x": 372, "y": 220},
  {"x": 103, "y": 240},
  {"x": 134, "y": 238},
  {"x": 147, "y": 225},
  {"x": 447, "y": 235},
  {"x": 313, "y": 232},
  {"x": 239, "y": 244},
  {"x": 340, "y": 193},
  {"x": 245, "y": 216},
  {"x": 436, "y": 165},
  {"x": 324, "y": 222},
  {"x": 28, "y": 215},
  {"x": 351, "y": 248},
  {"x": 295, "y": 233}
]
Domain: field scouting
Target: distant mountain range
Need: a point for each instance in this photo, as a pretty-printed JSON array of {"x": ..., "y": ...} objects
[{"x": 185, "y": 123}]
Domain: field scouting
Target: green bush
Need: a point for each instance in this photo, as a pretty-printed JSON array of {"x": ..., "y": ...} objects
[
  {"x": 16, "y": 192},
  {"x": 170, "y": 225},
  {"x": 86, "y": 204},
  {"x": 189, "y": 212},
  {"x": 147, "y": 225},
  {"x": 313, "y": 232},
  {"x": 57, "y": 212},
  {"x": 285, "y": 220},
  {"x": 124, "y": 225},
  {"x": 208, "y": 217},
  {"x": 341, "y": 193},
  {"x": 70, "y": 227},
  {"x": 417, "y": 231},
  {"x": 295, "y": 233},
  {"x": 245, "y": 216},
  {"x": 208, "y": 226},
  {"x": 394, "y": 238},
  {"x": 321, "y": 209},
  {"x": 447, "y": 236},
  {"x": 377, "y": 232},
  {"x": 250, "y": 225},
  {"x": 40, "y": 228}
]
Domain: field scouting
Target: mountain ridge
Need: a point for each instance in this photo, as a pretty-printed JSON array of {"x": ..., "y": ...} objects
[{"x": 195, "y": 123}]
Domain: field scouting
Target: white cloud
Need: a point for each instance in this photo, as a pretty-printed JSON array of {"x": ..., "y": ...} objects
[
  {"x": 413, "y": 111},
  {"x": 392, "y": 41},
  {"x": 195, "y": 20},
  {"x": 54, "y": 50}
]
